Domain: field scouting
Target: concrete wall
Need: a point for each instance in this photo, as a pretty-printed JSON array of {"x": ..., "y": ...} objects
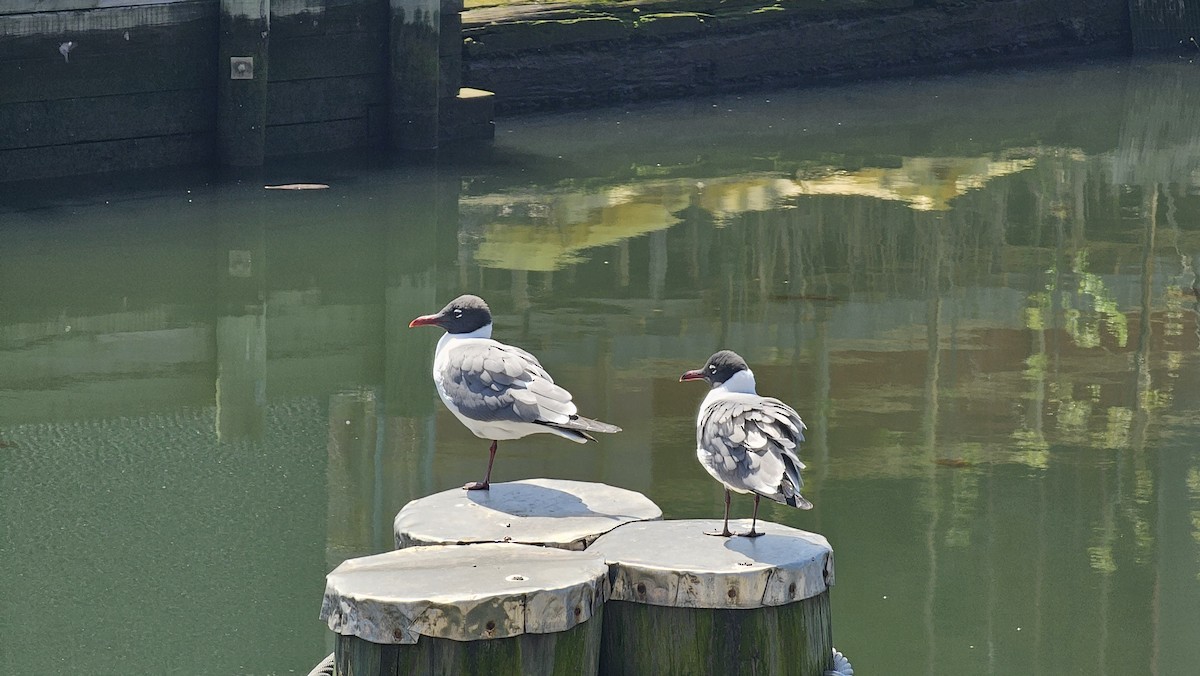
[{"x": 554, "y": 56}]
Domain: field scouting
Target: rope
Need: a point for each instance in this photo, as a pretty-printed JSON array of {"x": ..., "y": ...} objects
[
  {"x": 841, "y": 665},
  {"x": 325, "y": 668}
]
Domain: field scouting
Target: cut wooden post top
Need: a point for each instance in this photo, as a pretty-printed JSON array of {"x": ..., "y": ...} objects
[
  {"x": 673, "y": 563},
  {"x": 472, "y": 593},
  {"x": 549, "y": 512}
]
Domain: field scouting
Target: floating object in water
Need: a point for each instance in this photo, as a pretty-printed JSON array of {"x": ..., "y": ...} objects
[
  {"x": 745, "y": 441},
  {"x": 65, "y": 49},
  {"x": 297, "y": 186},
  {"x": 498, "y": 391}
]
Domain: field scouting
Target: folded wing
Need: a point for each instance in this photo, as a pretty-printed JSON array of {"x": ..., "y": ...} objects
[
  {"x": 754, "y": 441},
  {"x": 490, "y": 381}
]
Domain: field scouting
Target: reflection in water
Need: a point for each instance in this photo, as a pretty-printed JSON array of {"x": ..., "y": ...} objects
[
  {"x": 545, "y": 232},
  {"x": 987, "y": 317},
  {"x": 241, "y": 325},
  {"x": 548, "y": 232},
  {"x": 924, "y": 183}
]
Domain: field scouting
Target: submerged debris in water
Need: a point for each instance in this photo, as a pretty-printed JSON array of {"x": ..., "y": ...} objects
[{"x": 951, "y": 462}]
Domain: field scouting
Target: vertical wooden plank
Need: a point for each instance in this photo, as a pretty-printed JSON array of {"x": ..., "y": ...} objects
[
  {"x": 545, "y": 621},
  {"x": 731, "y": 606},
  {"x": 574, "y": 652},
  {"x": 357, "y": 657},
  {"x": 413, "y": 73},
  {"x": 242, "y": 82},
  {"x": 790, "y": 640}
]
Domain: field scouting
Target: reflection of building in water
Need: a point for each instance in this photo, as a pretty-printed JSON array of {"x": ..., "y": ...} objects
[
  {"x": 549, "y": 231},
  {"x": 924, "y": 183},
  {"x": 545, "y": 232}
]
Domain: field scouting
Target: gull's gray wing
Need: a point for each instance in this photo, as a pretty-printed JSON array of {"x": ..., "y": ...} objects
[
  {"x": 754, "y": 442},
  {"x": 491, "y": 381}
]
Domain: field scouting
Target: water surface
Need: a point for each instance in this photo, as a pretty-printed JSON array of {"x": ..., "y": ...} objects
[{"x": 979, "y": 291}]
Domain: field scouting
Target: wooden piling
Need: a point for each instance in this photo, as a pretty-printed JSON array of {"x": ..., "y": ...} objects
[
  {"x": 413, "y": 73},
  {"x": 683, "y": 602},
  {"x": 548, "y": 512},
  {"x": 483, "y": 609},
  {"x": 242, "y": 82}
]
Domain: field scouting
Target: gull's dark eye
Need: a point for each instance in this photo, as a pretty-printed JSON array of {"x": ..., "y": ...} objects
[
  {"x": 712, "y": 367},
  {"x": 457, "y": 312}
]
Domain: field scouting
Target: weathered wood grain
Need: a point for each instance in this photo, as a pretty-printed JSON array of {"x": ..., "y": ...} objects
[
  {"x": 491, "y": 608},
  {"x": 554, "y": 513},
  {"x": 792, "y": 640},
  {"x": 574, "y": 652},
  {"x": 105, "y": 118},
  {"x": 729, "y": 605}
]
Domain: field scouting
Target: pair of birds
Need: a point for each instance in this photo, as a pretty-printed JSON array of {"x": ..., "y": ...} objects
[{"x": 747, "y": 442}]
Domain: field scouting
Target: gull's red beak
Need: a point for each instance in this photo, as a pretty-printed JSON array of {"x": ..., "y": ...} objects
[
  {"x": 426, "y": 320},
  {"x": 692, "y": 375}
]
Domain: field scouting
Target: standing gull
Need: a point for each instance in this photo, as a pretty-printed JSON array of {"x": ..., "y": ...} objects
[
  {"x": 498, "y": 391},
  {"x": 745, "y": 441}
]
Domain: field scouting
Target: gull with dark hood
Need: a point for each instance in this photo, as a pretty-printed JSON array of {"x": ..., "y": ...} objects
[
  {"x": 747, "y": 442},
  {"x": 498, "y": 391}
]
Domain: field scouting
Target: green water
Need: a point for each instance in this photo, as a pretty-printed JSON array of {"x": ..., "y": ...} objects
[{"x": 977, "y": 291}]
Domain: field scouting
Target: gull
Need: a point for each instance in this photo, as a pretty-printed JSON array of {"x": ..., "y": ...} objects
[
  {"x": 498, "y": 391},
  {"x": 746, "y": 441}
]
